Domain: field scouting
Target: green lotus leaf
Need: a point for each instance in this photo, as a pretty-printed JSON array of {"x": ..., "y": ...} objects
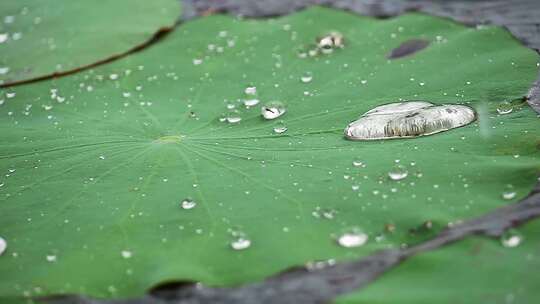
[
  {"x": 44, "y": 37},
  {"x": 96, "y": 170},
  {"x": 476, "y": 270}
]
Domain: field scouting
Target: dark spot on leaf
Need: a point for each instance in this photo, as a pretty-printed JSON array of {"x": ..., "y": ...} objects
[{"x": 408, "y": 47}]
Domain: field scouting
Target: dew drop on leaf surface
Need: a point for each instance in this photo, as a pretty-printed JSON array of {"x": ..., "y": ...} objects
[
  {"x": 398, "y": 172},
  {"x": 280, "y": 128},
  {"x": 508, "y": 195},
  {"x": 511, "y": 238},
  {"x": 126, "y": 254},
  {"x": 273, "y": 110},
  {"x": 505, "y": 107},
  {"x": 307, "y": 77},
  {"x": 358, "y": 162},
  {"x": 3, "y": 245},
  {"x": 188, "y": 203},
  {"x": 352, "y": 239},
  {"x": 240, "y": 243}
]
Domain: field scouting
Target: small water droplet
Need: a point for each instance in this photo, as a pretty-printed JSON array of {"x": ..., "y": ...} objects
[
  {"x": 126, "y": 254},
  {"x": 398, "y": 172},
  {"x": 251, "y": 90},
  {"x": 197, "y": 61},
  {"x": 511, "y": 238},
  {"x": 51, "y": 258},
  {"x": 357, "y": 162},
  {"x": 505, "y": 107},
  {"x": 3, "y": 245},
  {"x": 352, "y": 239},
  {"x": 307, "y": 77},
  {"x": 3, "y": 37},
  {"x": 316, "y": 265},
  {"x": 508, "y": 195},
  {"x": 233, "y": 118},
  {"x": 324, "y": 213},
  {"x": 240, "y": 243},
  {"x": 280, "y": 128},
  {"x": 251, "y": 102},
  {"x": 188, "y": 203},
  {"x": 273, "y": 110},
  {"x": 250, "y": 98}
]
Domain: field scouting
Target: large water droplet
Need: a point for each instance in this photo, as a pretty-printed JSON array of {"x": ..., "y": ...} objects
[
  {"x": 398, "y": 172},
  {"x": 3, "y": 245},
  {"x": 240, "y": 243},
  {"x": 408, "y": 119},
  {"x": 273, "y": 110},
  {"x": 353, "y": 238},
  {"x": 188, "y": 203},
  {"x": 511, "y": 238}
]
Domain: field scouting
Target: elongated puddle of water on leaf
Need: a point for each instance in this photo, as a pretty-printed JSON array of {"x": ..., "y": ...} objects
[{"x": 407, "y": 120}]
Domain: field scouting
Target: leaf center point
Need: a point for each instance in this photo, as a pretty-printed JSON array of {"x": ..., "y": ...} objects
[{"x": 169, "y": 139}]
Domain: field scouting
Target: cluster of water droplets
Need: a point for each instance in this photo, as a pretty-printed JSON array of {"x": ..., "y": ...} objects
[
  {"x": 237, "y": 110},
  {"x": 324, "y": 213},
  {"x": 325, "y": 45},
  {"x": 11, "y": 37},
  {"x": 223, "y": 42}
]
